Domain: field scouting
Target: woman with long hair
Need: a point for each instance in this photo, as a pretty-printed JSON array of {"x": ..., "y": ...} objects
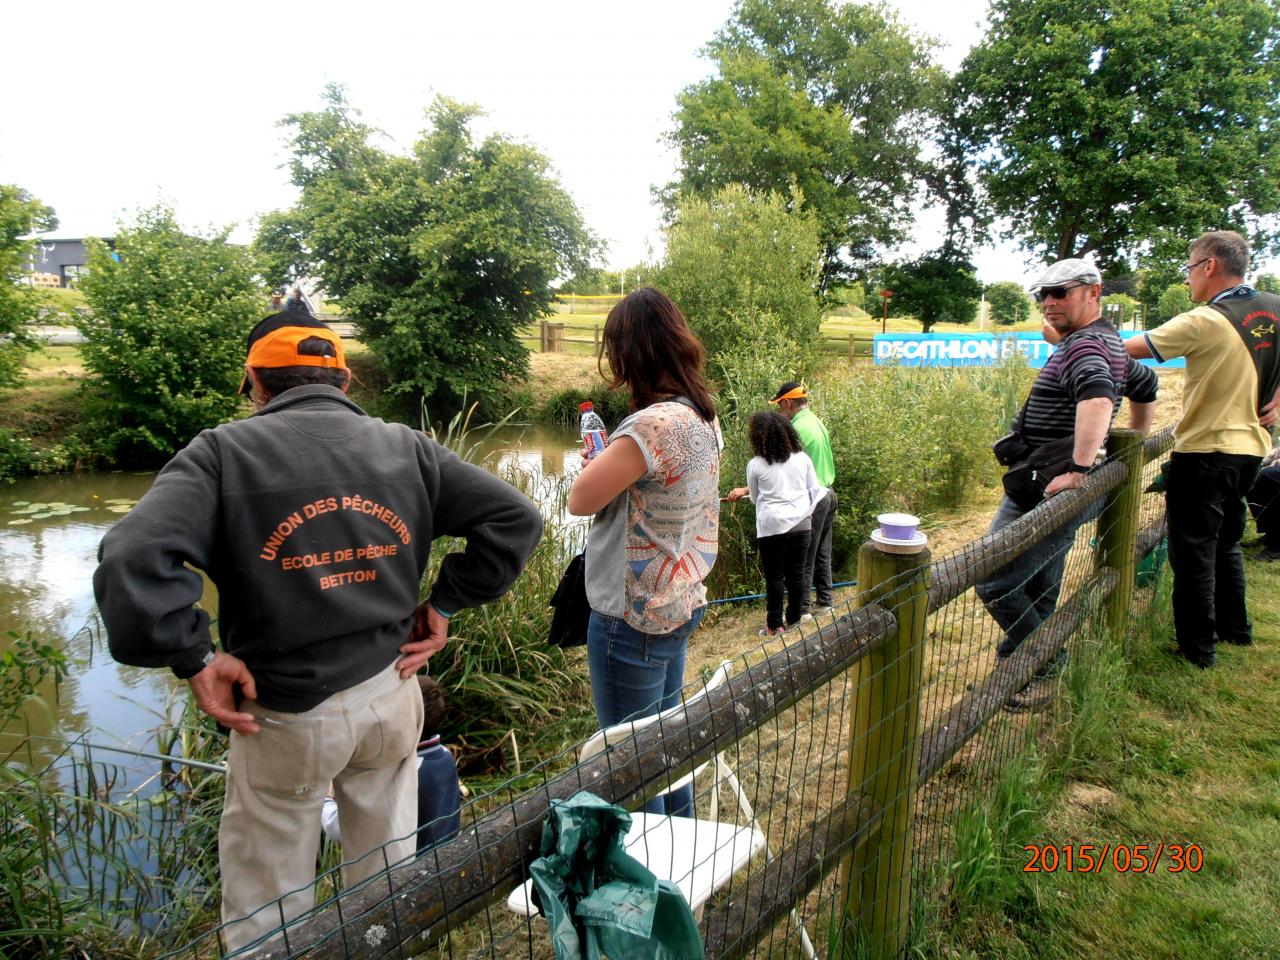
[{"x": 654, "y": 492}]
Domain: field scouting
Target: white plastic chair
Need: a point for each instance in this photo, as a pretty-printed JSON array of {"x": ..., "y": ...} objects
[{"x": 698, "y": 856}]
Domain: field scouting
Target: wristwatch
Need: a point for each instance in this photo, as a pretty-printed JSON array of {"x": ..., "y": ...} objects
[{"x": 1077, "y": 468}]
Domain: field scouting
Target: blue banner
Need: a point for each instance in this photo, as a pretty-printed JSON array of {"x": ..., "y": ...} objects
[{"x": 973, "y": 349}]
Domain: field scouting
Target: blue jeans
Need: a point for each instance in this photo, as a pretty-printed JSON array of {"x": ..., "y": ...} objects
[
  {"x": 636, "y": 674},
  {"x": 1022, "y": 594}
]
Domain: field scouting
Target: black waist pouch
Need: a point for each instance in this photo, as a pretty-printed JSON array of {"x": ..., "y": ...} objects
[{"x": 1025, "y": 481}]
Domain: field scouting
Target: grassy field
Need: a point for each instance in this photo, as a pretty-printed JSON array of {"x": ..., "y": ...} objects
[{"x": 1188, "y": 758}]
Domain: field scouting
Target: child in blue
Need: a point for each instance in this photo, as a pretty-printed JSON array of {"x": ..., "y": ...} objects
[{"x": 439, "y": 792}]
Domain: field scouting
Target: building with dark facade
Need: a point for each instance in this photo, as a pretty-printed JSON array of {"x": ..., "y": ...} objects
[{"x": 64, "y": 258}]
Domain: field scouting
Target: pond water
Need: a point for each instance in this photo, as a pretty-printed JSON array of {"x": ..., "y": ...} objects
[{"x": 49, "y": 533}]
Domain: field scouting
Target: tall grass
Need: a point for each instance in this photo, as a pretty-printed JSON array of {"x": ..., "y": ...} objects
[
  {"x": 903, "y": 438},
  {"x": 93, "y": 863},
  {"x": 509, "y": 691}
]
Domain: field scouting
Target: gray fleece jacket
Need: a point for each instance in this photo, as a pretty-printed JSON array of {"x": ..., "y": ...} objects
[{"x": 315, "y": 522}]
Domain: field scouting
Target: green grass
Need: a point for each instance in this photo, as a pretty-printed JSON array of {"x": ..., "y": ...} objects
[{"x": 1160, "y": 753}]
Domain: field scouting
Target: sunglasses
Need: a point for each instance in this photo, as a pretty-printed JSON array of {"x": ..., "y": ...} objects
[{"x": 1058, "y": 293}]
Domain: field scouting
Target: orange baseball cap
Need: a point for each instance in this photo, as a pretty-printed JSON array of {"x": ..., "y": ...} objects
[{"x": 274, "y": 341}]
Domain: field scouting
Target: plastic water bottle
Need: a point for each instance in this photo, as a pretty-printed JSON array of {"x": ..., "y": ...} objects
[{"x": 594, "y": 437}]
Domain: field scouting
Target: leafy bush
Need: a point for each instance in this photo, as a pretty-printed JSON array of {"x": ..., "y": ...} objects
[
  {"x": 739, "y": 257},
  {"x": 165, "y": 340},
  {"x": 20, "y": 458},
  {"x": 562, "y": 407},
  {"x": 440, "y": 256},
  {"x": 20, "y": 215},
  {"x": 1176, "y": 299},
  {"x": 1119, "y": 308},
  {"x": 1009, "y": 302}
]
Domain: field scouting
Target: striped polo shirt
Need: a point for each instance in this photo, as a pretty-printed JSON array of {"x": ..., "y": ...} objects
[{"x": 1089, "y": 363}]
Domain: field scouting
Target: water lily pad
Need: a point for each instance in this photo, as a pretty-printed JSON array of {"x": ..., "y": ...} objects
[
  {"x": 25, "y": 510},
  {"x": 43, "y": 515},
  {"x": 81, "y": 509},
  {"x": 120, "y": 508},
  {"x": 120, "y": 500},
  {"x": 61, "y": 512},
  {"x": 20, "y": 503},
  {"x": 15, "y": 523}
]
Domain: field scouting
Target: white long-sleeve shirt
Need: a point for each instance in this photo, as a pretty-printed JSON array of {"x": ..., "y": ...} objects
[{"x": 784, "y": 493}]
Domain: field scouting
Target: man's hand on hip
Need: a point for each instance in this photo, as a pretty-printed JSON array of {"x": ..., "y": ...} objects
[
  {"x": 429, "y": 635},
  {"x": 214, "y": 689}
]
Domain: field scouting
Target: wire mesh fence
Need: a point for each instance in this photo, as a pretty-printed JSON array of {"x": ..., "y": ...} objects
[{"x": 830, "y": 767}]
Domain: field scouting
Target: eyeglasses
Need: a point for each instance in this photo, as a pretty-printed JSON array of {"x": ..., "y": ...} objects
[
  {"x": 1188, "y": 267},
  {"x": 1058, "y": 293}
]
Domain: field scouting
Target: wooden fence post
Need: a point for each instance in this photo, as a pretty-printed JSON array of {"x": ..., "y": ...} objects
[
  {"x": 884, "y": 752},
  {"x": 1118, "y": 527},
  {"x": 542, "y": 337},
  {"x": 853, "y": 349},
  {"x": 595, "y": 339}
]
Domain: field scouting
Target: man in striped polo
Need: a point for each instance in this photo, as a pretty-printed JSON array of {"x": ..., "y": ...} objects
[{"x": 1077, "y": 393}]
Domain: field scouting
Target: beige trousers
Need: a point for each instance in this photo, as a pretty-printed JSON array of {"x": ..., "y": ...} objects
[{"x": 362, "y": 740}]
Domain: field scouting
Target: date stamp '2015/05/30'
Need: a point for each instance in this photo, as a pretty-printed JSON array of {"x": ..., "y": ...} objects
[{"x": 1145, "y": 858}]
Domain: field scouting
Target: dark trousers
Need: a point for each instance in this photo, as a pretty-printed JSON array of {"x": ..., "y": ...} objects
[
  {"x": 1264, "y": 504},
  {"x": 1205, "y": 500},
  {"x": 783, "y": 558},
  {"x": 817, "y": 573}
]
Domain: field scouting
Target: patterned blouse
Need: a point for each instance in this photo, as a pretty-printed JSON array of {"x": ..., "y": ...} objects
[{"x": 650, "y": 549}]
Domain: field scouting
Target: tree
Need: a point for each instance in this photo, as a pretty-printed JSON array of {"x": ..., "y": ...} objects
[
  {"x": 834, "y": 98},
  {"x": 1009, "y": 302},
  {"x": 738, "y": 256},
  {"x": 165, "y": 338},
  {"x": 1119, "y": 308},
  {"x": 20, "y": 214},
  {"x": 1122, "y": 127},
  {"x": 933, "y": 288},
  {"x": 1176, "y": 299},
  {"x": 1267, "y": 283},
  {"x": 440, "y": 257}
]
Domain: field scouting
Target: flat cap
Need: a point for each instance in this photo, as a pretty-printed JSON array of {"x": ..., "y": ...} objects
[{"x": 1072, "y": 270}]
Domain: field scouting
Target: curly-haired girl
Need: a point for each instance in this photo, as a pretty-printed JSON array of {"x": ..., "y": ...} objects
[{"x": 781, "y": 482}]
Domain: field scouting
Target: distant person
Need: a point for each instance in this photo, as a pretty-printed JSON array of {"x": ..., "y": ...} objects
[
  {"x": 1076, "y": 394},
  {"x": 1264, "y": 504},
  {"x": 1228, "y": 402},
  {"x": 277, "y": 301},
  {"x": 654, "y": 492},
  {"x": 792, "y": 400},
  {"x": 782, "y": 484},
  {"x": 439, "y": 791},
  {"x": 315, "y": 523},
  {"x": 297, "y": 301}
]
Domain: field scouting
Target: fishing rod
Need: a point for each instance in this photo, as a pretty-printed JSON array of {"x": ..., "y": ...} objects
[{"x": 199, "y": 764}]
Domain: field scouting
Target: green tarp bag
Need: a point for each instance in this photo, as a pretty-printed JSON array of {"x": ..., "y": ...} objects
[{"x": 599, "y": 900}]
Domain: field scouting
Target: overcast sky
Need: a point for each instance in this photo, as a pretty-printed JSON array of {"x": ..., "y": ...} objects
[{"x": 111, "y": 107}]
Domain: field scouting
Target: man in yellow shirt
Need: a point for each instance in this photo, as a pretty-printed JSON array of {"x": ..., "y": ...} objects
[{"x": 1228, "y": 402}]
